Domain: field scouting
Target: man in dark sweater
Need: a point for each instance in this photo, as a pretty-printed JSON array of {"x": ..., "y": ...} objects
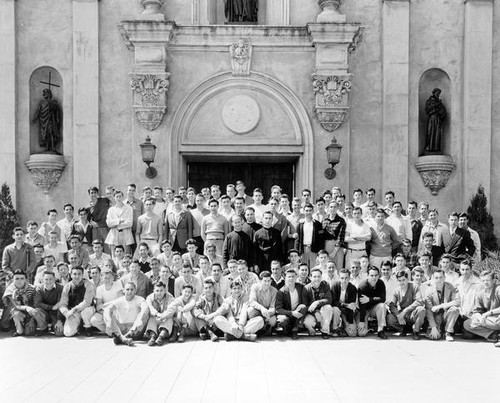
[
  {"x": 238, "y": 244},
  {"x": 268, "y": 243},
  {"x": 250, "y": 226},
  {"x": 371, "y": 294},
  {"x": 344, "y": 302},
  {"x": 47, "y": 298},
  {"x": 318, "y": 299}
]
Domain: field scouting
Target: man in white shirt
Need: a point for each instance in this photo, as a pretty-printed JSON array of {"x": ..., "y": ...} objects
[
  {"x": 259, "y": 208},
  {"x": 68, "y": 219},
  {"x": 119, "y": 221},
  {"x": 356, "y": 235},
  {"x": 401, "y": 225},
  {"x": 98, "y": 258},
  {"x": 108, "y": 291},
  {"x": 150, "y": 227},
  {"x": 125, "y": 317}
]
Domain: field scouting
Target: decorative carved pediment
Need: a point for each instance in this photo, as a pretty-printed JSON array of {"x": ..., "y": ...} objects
[
  {"x": 435, "y": 171},
  {"x": 150, "y": 98},
  {"x": 241, "y": 58},
  {"x": 46, "y": 170}
]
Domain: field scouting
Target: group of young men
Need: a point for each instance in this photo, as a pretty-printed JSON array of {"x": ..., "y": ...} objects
[{"x": 171, "y": 265}]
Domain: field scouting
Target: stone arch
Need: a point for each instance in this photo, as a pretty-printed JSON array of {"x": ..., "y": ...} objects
[{"x": 265, "y": 88}]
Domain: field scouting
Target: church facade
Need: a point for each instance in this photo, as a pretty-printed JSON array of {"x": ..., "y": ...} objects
[{"x": 259, "y": 99}]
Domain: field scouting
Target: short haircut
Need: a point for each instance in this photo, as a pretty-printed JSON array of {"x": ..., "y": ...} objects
[
  {"x": 291, "y": 271},
  {"x": 264, "y": 274},
  {"x": 52, "y": 210},
  {"x": 308, "y": 205},
  {"x": 143, "y": 244},
  {"x": 242, "y": 262},
  {"x": 232, "y": 261},
  {"x": 31, "y": 222},
  {"x": 80, "y": 268},
  {"x": 216, "y": 265},
  {"x": 49, "y": 257},
  {"x": 319, "y": 199},
  {"x": 401, "y": 273},
  {"x": 386, "y": 263},
  {"x": 418, "y": 269},
  {"x": 49, "y": 272},
  {"x": 68, "y": 205},
  {"x": 93, "y": 189},
  {"x": 191, "y": 241},
  {"x": 438, "y": 271},
  {"x": 119, "y": 247},
  {"x": 389, "y": 192},
  {"x": 236, "y": 283},
  {"x": 213, "y": 201},
  {"x": 374, "y": 268},
  {"x": 464, "y": 215},
  {"x": 97, "y": 242},
  {"x": 16, "y": 229},
  {"x": 485, "y": 273},
  {"x": 188, "y": 286},
  {"x": 19, "y": 272},
  {"x": 344, "y": 271},
  {"x": 453, "y": 214},
  {"x": 132, "y": 284},
  {"x": 276, "y": 261},
  {"x": 160, "y": 284},
  {"x": 290, "y": 251},
  {"x": 95, "y": 267},
  {"x": 316, "y": 269},
  {"x": 466, "y": 262}
]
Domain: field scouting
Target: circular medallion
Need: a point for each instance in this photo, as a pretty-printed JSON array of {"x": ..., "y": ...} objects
[{"x": 241, "y": 114}]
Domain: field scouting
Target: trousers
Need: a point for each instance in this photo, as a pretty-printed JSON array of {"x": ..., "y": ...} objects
[
  {"x": 323, "y": 316},
  {"x": 416, "y": 317},
  {"x": 251, "y": 327},
  {"x": 72, "y": 323},
  {"x": 482, "y": 328}
]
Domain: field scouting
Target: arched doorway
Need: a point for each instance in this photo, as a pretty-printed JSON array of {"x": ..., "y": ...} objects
[{"x": 253, "y": 120}]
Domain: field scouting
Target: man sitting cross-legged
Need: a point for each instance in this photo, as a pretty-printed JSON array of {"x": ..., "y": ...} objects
[
  {"x": 441, "y": 303},
  {"x": 206, "y": 308},
  {"x": 125, "y": 316},
  {"x": 371, "y": 293},
  {"x": 232, "y": 317},
  {"x": 47, "y": 299},
  {"x": 318, "y": 299},
  {"x": 406, "y": 307},
  {"x": 262, "y": 301},
  {"x": 345, "y": 305},
  {"x": 76, "y": 303},
  {"x": 160, "y": 322},
  {"x": 289, "y": 306},
  {"x": 18, "y": 300},
  {"x": 485, "y": 321},
  {"x": 182, "y": 311}
]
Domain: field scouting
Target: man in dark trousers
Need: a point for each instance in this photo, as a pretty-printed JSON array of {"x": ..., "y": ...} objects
[
  {"x": 371, "y": 293},
  {"x": 290, "y": 308},
  {"x": 344, "y": 302},
  {"x": 267, "y": 242},
  {"x": 310, "y": 238}
]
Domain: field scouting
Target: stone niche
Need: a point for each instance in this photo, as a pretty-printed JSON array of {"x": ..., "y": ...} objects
[
  {"x": 435, "y": 168},
  {"x": 46, "y": 163},
  {"x": 430, "y": 79}
]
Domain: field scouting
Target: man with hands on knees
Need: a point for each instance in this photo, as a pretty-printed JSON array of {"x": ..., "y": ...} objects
[
  {"x": 318, "y": 299},
  {"x": 442, "y": 306},
  {"x": 47, "y": 300},
  {"x": 160, "y": 322},
  {"x": 76, "y": 303},
  {"x": 290, "y": 308},
  {"x": 263, "y": 301},
  {"x": 372, "y": 297},
  {"x": 345, "y": 305}
]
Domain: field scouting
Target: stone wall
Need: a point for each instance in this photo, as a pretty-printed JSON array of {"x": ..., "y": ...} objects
[{"x": 44, "y": 37}]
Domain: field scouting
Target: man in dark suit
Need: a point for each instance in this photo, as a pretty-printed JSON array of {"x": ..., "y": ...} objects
[
  {"x": 461, "y": 244},
  {"x": 267, "y": 242},
  {"x": 310, "y": 238},
  {"x": 178, "y": 226},
  {"x": 344, "y": 302},
  {"x": 289, "y": 306}
]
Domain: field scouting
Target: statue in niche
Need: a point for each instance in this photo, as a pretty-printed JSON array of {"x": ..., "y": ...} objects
[
  {"x": 436, "y": 112},
  {"x": 241, "y": 10},
  {"x": 48, "y": 116}
]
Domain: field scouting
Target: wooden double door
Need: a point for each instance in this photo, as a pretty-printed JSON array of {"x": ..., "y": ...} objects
[{"x": 254, "y": 175}]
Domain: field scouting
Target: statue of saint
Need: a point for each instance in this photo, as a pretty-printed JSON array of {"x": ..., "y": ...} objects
[
  {"x": 241, "y": 10},
  {"x": 49, "y": 119},
  {"x": 436, "y": 111}
]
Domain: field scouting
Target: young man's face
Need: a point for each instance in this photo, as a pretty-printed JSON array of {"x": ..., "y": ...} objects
[
  {"x": 208, "y": 289},
  {"x": 424, "y": 261},
  {"x": 164, "y": 273},
  {"x": 33, "y": 229},
  {"x": 159, "y": 292},
  {"x": 306, "y": 197},
  {"x": 290, "y": 279},
  {"x": 330, "y": 267},
  {"x": 373, "y": 277},
  {"x": 276, "y": 270},
  {"x": 233, "y": 268},
  {"x": 370, "y": 195},
  {"x": 411, "y": 210},
  {"x": 356, "y": 214},
  {"x": 186, "y": 293},
  {"x": 242, "y": 269},
  {"x": 49, "y": 262},
  {"x": 320, "y": 205},
  {"x": 423, "y": 210},
  {"x": 52, "y": 216},
  {"x": 214, "y": 207},
  {"x": 216, "y": 272},
  {"x": 204, "y": 265},
  {"x": 386, "y": 271},
  {"x": 348, "y": 211},
  {"x": 322, "y": 257},
  {"x": 68, "y": 211},
  {"x": 95, "y": 273},
  {"x": 200, "y": 201},
  {"x": 296, "y": 205},
  {"x": 380, "y": 218},
  {"x": 445, "y": 264},
  {"x": 74, "y": 244},
  {"x": 237, "y": 222},
  {"x": 186, "y": 273},
  {"x": 177, "y": 261},
  {"x": 38, "y": 253},
  {"x": 177, "y": 203},
  {"x": 215, "y": 193},
  {"x": 266, "y": 283},
  {"x": 267, "y": 220},
  {"x": 107, "y": 276},
  {"x": 303, "y": 272},
  {"x": 134, "y": 268},
  {"x": 293, "y": 257},
  {"x": 143, "y": 251},
  {"x": 97, "y": 248},
  {"x": 130, "y": 192},
  {"x": 76, "y": 276},
  {"x": 406, "y": 248},
  {"x": 357, "y": 196},
  {"x": 432, "y": 216},
  {"x": 389, "y": 199},
  {"x": 354, "y": 269},
  {"x": 308, "y": 212},
  {"x": 417, "y": 277},
  {"x": 19, "y": 236},
  {"x": 154, "y": 265},
  {"x": 463, "y": 222},
  {"x": 53, "y": 239},
  {"x": 273, "y": 205},
  {"x": 438, "y": 278},
  {"x": 316, "y": 278},
  {"x": 364, "y": 262},
  {"x": 63, "y": 270},
  {"x": 403, "y": 281},
  {"x": 147, "y": 193},
  {"x": 250, "y": 216},
  {"x": 226, "y": 203},
  {"x": 118, "y": 198},
  {"x": 400, "y": 262},
  {"x": 236, "y": 291},
  {"x": 257, "y": 197},
  {"x": 19, "y": 281},
  {"x": 148, "y": 206},
  {"x": 49, "y": 280},
  {"x": 396, "y": 208},
  {"x": 238, "y": 206},
  {"x": 465, "y": 271},
  {"x": 129, "y": 291},
  {"x": 428, "y": 240},
  {"x": 487, "y": 282},
  {"x": 191, "y": 249},
  {"x": 73, "y": 260},
  {"x": 453, "y": 221}
]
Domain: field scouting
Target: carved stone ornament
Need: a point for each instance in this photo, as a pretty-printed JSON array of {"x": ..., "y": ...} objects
[
  {"x": 331, "y": 118},
  {"x": 46, "y": 170},
  {"x": 435, "y": 170},
  {"x": 150, "y": 98},
  {"x": 241, "y": 58},
  {"x": 330, "y": 11},
  {"x": 152, "y": 6},
  {"x": 331, "y": 90}
]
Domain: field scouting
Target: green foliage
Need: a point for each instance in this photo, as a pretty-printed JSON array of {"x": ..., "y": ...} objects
[
  {"x": 481, "y": 220},
  {"x": 8, "y": 217}
]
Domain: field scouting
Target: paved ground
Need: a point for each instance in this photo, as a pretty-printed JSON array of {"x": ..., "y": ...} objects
[{"x": 50, "y": 369}]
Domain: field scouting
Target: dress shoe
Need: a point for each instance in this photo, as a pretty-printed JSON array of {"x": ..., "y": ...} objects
[
  {"x": 449, "y": 337},
  {"x": 152, "y": 341},
  {"x": 382, "y": 335},
  {"x": 325, "y": 336},
  {"x": 295, "y": 336},
  {"x": 416, "y": 336},
  {"x": 250, "y": 337}
]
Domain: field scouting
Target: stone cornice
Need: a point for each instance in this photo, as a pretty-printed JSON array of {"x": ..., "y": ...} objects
[{"x": 478, "y": 1}]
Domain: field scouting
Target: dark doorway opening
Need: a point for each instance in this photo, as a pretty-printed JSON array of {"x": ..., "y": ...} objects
[{"x": 261, "y": 174}]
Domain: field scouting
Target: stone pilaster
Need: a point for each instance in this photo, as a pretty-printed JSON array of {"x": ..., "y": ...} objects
[
  {"x": 331, "y": 84},
  {"x": 85, "y": 96},
  {"x": 478, "y": 38},
  {"x": 8, "y": 95},
  {"x": 278, "y": 12},
  {"x": 395, "y": 72}
]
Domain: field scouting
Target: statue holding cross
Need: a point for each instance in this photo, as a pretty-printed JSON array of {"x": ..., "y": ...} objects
[{"x": 48, "y": 116}]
